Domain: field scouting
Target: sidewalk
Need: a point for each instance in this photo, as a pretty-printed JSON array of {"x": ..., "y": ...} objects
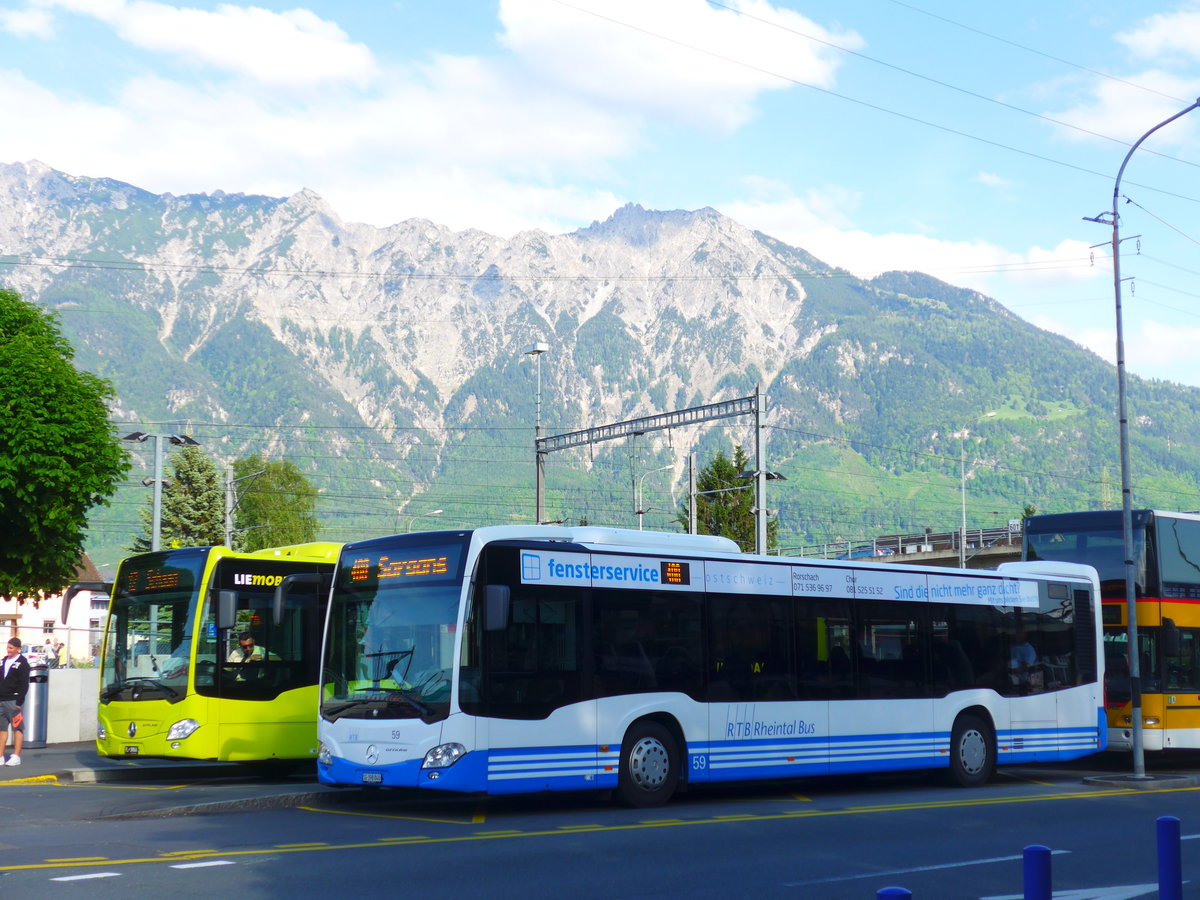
[{"x": 79, "y": 763}]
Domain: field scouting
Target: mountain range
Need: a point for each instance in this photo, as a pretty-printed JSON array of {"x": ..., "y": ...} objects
[{"x": 388, "y": 363}]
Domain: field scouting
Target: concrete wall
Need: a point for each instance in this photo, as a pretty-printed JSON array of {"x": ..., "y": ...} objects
[{"x": 72, "y": 699}]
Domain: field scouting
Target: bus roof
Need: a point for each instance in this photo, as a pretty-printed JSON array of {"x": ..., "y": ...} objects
[{"x": 589, "y": 535}]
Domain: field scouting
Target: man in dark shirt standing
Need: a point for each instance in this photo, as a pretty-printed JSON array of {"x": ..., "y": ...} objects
[{"x": 14, "y": 685}]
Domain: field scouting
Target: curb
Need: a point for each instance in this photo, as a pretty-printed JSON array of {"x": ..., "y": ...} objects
[
  {"x": 88, "y": 775},
  {"x": 1145, "y": 783}
]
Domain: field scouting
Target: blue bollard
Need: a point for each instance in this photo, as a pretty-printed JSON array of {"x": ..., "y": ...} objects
[
  {"x": 1170, "y": 861},
  {"x": 893, "y": 893},
  {"x": 1037, "y": 873}
]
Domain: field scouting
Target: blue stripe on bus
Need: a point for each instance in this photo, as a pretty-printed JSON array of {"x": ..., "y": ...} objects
[{"x": 582, "y": 767}]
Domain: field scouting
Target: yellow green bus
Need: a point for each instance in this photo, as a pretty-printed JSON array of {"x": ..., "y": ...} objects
[{"x": 212, "y": 654}]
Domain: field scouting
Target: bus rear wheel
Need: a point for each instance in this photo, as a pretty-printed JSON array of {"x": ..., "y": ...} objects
[
  {"x": 972, "y": 751},
  {"x": 649, "y": 766}
]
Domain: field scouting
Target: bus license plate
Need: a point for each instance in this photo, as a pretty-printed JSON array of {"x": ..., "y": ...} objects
[
  {"x": 372, "y": 778},
  {"x": 131, "y": 751}
]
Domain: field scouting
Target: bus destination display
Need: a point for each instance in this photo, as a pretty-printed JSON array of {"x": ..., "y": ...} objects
[
  {"x": 394, "y": 567},
  {"x": 136, "y": 580}
]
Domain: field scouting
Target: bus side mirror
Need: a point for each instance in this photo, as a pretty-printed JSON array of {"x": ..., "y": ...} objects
[
  {"x": 226, "y": 609},
  {"x": 99, "y": 587},
  {"x": 496, "y": 607},
  {"x": 284, "y": 587},
  {"x": 1170, "y": 638}
]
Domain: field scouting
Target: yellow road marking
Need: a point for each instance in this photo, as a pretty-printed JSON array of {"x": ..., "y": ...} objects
[
  {"x": 633, "y": 826},
  {"x": 75, "y": 859},
  {"x": 476, "y": 819},
  {"x": 32, "y": 779}
]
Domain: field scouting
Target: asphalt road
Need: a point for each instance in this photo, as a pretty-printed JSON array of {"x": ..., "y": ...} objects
[{"x": 223, "y": 829}]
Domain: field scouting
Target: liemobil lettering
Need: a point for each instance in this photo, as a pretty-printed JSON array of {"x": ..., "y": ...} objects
[{"x": 244, "y": 579}]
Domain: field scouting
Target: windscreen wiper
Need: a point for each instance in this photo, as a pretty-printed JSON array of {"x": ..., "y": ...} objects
[
  {"x": 131, "y": 683},
  {"x": 367, "y": 707}
]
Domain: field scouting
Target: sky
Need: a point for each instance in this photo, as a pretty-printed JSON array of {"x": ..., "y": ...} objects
[{"x": 968, "y": 141}]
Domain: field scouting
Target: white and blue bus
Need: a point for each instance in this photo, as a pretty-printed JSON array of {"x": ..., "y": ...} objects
[{"x": 517, "y": 659}]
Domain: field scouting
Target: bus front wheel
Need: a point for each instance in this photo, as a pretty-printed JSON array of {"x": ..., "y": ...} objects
[
  {"x": 649, "y": 766},
  {"x": 972, "y": 751}
]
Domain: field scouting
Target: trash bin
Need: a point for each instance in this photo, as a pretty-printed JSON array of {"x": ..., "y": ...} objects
[{"x": 36, "y": 709}]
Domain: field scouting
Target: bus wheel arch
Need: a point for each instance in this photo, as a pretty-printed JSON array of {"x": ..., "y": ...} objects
[
  {"x": 651, "y": 766},
  {"x": 973, "y": 747}
]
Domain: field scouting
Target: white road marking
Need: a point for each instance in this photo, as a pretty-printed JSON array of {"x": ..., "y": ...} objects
[
  {"x": 203, "y": 865},
  {"x": 1116, "y": 892},
  {"x": 953, "y": 865},
  {"x": 87, "y": 876}
]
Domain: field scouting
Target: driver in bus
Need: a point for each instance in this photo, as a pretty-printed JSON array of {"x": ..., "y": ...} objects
[{"x": 246, "y": 650}]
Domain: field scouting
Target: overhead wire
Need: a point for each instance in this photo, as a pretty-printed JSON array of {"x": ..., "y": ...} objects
[{"x": 866, "y": 103}]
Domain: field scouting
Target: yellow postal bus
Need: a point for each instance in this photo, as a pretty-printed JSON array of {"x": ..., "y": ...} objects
[{"x": 1166, "y": 556}]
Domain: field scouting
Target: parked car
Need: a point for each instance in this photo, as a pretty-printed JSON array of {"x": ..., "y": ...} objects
[{"x": 866, "y": 551}]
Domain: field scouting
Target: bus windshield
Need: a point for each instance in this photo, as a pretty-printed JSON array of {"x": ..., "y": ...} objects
[
  {"x": 1093, "y": 539},
  {"x": 149, "y": 635},
  {"x": 393, "y": 614}
]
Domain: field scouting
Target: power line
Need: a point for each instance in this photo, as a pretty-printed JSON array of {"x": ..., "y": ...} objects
[{"x": 865, "y": 103}]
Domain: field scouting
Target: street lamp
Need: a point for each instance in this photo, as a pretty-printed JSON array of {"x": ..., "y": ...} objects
[
  {"x": 637, "y": 492},
  {"x": 432, "y": 512},
  {"x": 536, "y": 350},
  {"x": 1135, "y": 673},
  {"x": 179, "y": 440},
  {"x": 962, "y": 475}
]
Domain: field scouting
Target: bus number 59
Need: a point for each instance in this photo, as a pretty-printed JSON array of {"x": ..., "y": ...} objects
[{"x": 699, "y": 761}]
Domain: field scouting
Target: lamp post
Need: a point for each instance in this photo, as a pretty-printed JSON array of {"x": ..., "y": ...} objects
[
  {"x": 536, "y": 350},
  {"x": 179, "y": 440},
  {"x": 637, "y": 492},
  {"x": 962, "y": 477},
  {"x": 432, "y": 512},
  {"x": 1135, "y": 674}
]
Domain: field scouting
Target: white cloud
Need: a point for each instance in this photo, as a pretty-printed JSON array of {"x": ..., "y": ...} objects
[
  {"x": 1165, "y": 35},
  {"x": 1125, "y": 112},
  {"x": 671, "y": 58},
  {"x": 992, "y": 180},
  {"x": 24, "y": 23},
  {"x": 818, "y": 223},
  {"x": 295, "y": 48}
]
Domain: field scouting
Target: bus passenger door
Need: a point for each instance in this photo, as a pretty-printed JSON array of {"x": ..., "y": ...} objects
[
  {"x": 770, "y": 674},
  {"x": 1180, "y": 650},
  {"x": 541, "y": 732}
]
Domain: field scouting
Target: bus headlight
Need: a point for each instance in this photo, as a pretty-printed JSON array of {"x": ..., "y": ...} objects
[
  {"x": 182, "y": 729},
  {"x": 324, "y": 757},
  {"x": 1150, "y": 720},
  {"x": 443, "y": 755},
  {"x": 101, "y": 731}
]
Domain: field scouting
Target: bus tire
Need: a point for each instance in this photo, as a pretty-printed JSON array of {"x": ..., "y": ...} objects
[
  {"x": 972, "y": 751},
  {"x": 649, "y": 770}
]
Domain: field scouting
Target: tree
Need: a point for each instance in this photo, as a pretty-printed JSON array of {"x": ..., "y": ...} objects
[
  {"x": 59, "y": 457},
  {"x": 193, "y": 505},
  {"x": 725, "y": 502},
  {"x": 274, "y": 508}
]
